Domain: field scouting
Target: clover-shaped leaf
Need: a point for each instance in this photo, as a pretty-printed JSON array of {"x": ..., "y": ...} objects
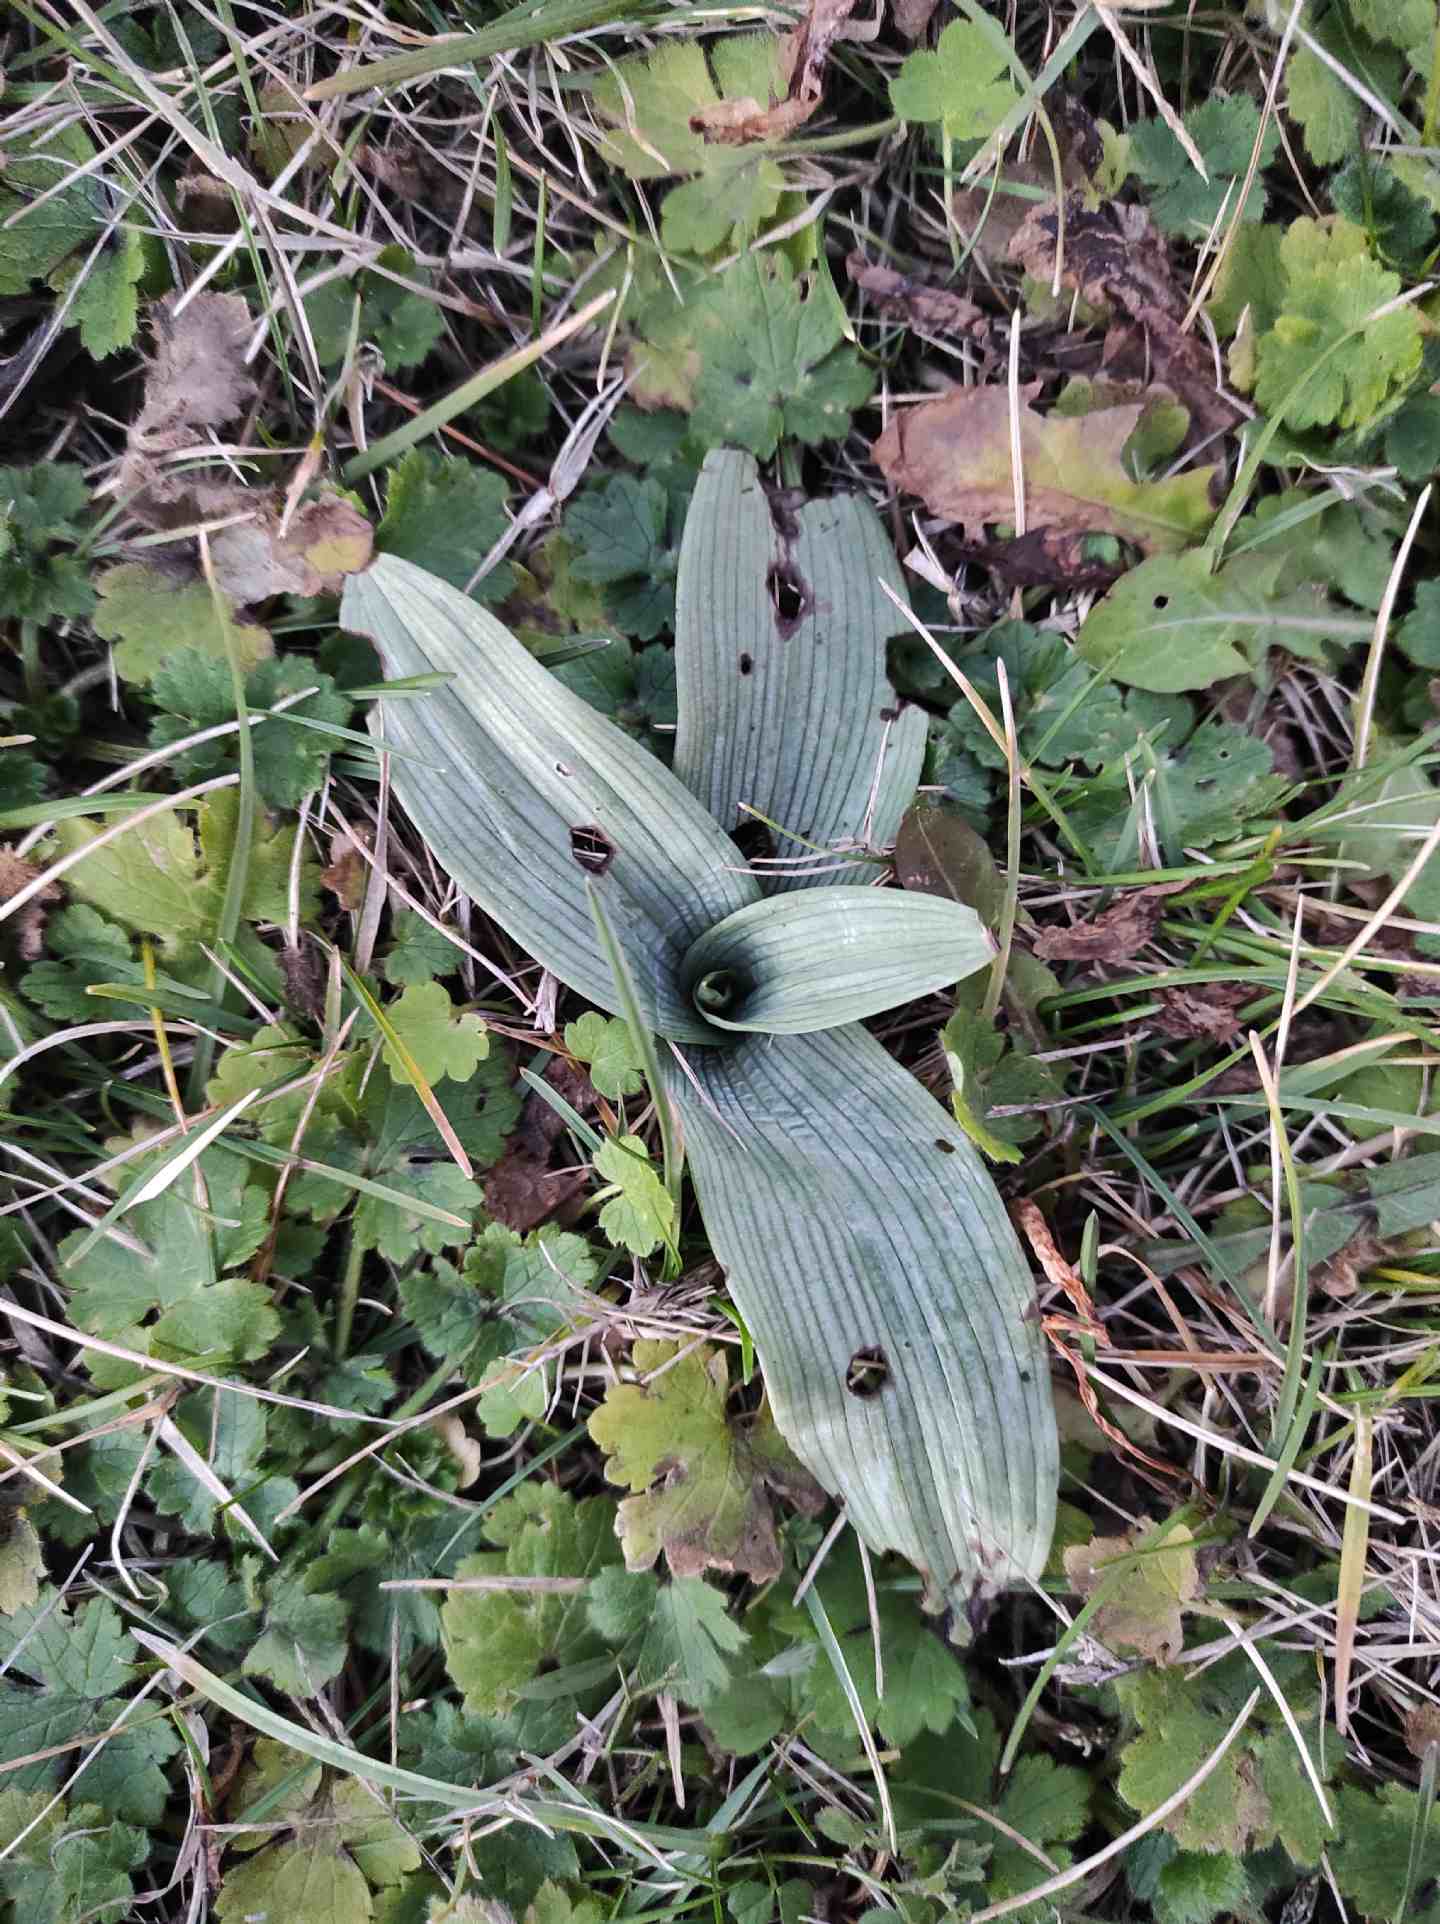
[{"x": 965, "y": 84}]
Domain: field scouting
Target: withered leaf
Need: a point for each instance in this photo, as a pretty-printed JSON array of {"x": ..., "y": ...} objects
[
  {"x": 522, "y": 1190},
  {"x": 803, "y": 57},
  {"x": 1144, "y": 1612},
  {"x": 936, "y": 309},
  {"x": 937, "y": 852},
  {"x": 327, "y": 538},
  {"x": 1204, "y": 1013},
  {"x": 1114, "y": 256},
  {"x": 912, "y": 17},
  {"x": 955, "y": 453},
  {"x": 196, "y": 380},
  {"x": 1045, "y": 556},
  {"x": 1114, "y": 936}
]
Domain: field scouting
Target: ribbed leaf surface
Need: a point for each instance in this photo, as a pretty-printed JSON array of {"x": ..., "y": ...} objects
[
  {"x": 525, "y": 770},
  {"x": 892, "y": 1310},
  {"x": 814, "y": 959},
  {"x": 780, "y": 632}
]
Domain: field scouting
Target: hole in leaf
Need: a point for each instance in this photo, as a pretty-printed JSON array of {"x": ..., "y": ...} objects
[
  {"x": 867, "y": 1372},
  {"x": 592, "y": 848},
  {"x": 753, "y": 839},
  {"x": 747, "y": 663},
  {"x": 789, "y": 596},
  {"x": 1162, "y": 601}
]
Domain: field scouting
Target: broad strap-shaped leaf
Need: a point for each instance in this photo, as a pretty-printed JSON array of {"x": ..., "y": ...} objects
[
  {"x": 532, "y": 794},
  {"x": 785, "y": 706},
  {"x": 892, "y": 1309},
  {"x": 813, "y": 960}
]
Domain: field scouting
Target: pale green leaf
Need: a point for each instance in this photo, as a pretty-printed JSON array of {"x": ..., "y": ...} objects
[
  {"x": 541, "y": 773},
  {"x": 815, "y": 959},
  {"x": 642, "y": 1215}
]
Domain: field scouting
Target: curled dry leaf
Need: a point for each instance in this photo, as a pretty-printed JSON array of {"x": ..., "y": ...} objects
[
  {"x": 936, "y": 310},
  {"x": 803, "y": 58},
  {"x": 955, "y": 453},
  {"x": 1114, "y": 257},
  {"x": 1117, "y": 935}
]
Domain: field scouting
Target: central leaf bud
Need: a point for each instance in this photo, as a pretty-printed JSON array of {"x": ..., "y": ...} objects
[{"x": 719, "y": 991}]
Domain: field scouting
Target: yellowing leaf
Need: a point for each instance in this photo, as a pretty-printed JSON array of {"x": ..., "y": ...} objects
[
  {"x": 148, "y": 616},
  {"x": 714, "y": 1481},
  {"x": 955, "y": 453},
  {"x": 1142, "y": 1610},
  {"x": 442, "y": 1040},
  {"x": 21, "y": 1563}
]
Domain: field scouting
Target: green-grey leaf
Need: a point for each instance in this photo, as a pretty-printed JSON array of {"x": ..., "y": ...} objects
[
  {"x": 785, "y": 707},
  {"x": 799, "y": 962},
  {"x": 534, "y": 780},
  {"x": 893, "y": 1312}
]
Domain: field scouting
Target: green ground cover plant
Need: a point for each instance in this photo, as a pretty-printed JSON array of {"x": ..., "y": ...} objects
[{"x": 719, "y": 928}]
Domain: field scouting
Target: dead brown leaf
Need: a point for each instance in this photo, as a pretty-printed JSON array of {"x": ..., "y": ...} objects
[
  {"x": 1114, "y": 936},
  {"x": 327, "y": 539},
  {"x": 1205, "y": 1013},
  {"x": 936, "y": 310},
  {"x": 196, "y": 381},
  {"x": 912, "y": 17},
  {"x": 303, "y": 970},
  {"x": 803, "y": 59},
  {"x": 522, "y": 1190},
  {"x": 15, "y": 874},
  {"x": 1041, "y": 559},
  {"x": 956, "y": 454},
  {"x": 346, "y": 874},
  {"x": 1115, "y": 257}
]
